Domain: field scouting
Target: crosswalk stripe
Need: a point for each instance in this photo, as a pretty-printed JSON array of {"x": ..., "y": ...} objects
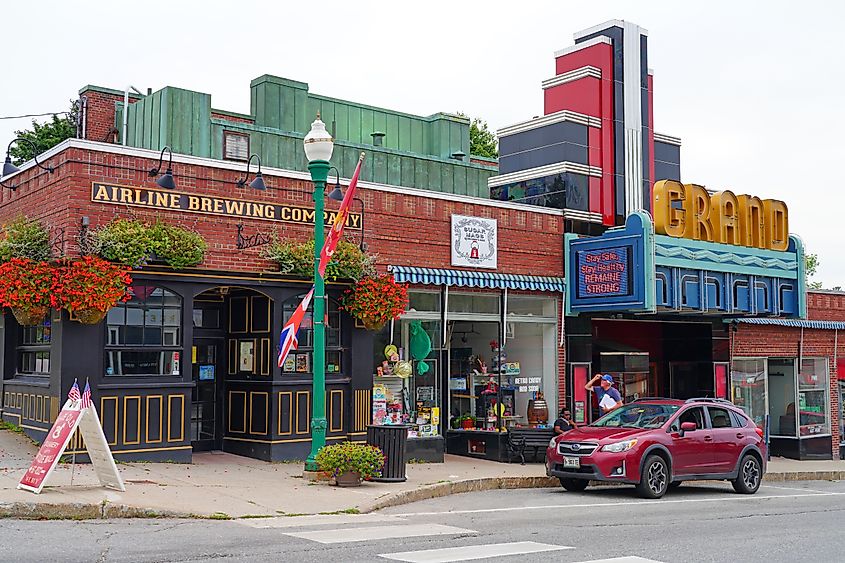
[
  {"x": 628, "y": 559},
  {"x": 317, "y": 520},
  {"x": 469, "y": 552},
  {"x": 379, "y": 533}
]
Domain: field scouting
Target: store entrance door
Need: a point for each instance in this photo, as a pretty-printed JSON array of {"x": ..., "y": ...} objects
[{"x": 207, "y": 395}]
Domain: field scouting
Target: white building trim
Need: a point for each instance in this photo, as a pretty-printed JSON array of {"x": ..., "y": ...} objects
[
  {"x": 557, "y": 117},
  {"x": 541, "y": 171},
  {"x": 668, "y": 139},
  {"x": 583, "y": 45},
  {"x": 571, "y": 76}
]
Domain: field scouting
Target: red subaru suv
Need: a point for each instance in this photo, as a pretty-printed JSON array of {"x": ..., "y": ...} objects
[{"x": 656, "y": 444}]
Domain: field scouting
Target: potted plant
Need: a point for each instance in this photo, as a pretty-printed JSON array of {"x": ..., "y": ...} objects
[
  {"x": 25, "y": 238},
  {"x": 467, "y": 421},
  {"x": 26, "y": 288},
  {"x": 297, "y": 258},
  {"x": 89, "y": 287},
  {"x": 349, "y": 462},
  {"x": 376, "y": 300},
  {"x": 175, "y": 246}
]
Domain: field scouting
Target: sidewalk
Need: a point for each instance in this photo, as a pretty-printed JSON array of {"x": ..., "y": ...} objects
[{"x": 223, "y": 485}]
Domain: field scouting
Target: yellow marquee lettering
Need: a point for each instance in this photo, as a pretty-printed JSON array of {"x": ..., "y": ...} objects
[
  {"x": 102, "y": 194},
  {"x": 667, "y": 219},
  {"x": 193, "y": 203},
  {"x": 697, "y": 207},
  {"x": 159, "y": 199},
  {"x": 724, "y": 216},
  {"x": 125, "y": 195},
  {"x": 234, "y": 207},
  {"x": 354, "y": 221},
  {"x": 218, "y": 205},
  {"x": 285, "y": 214},
  {"x": 308, "y": 215},
  {"x": 776, "y": 224},
  {"x": 175, "y": 201},
  {"x": 751, "y": 221}
]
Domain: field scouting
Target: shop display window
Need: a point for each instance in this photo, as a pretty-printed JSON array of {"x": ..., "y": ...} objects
[
  {"x": 748, "y": 387},
  {"x": 34, "y": 348},
  {"x": 144, "y": 335},
  {"x": 782, "y": 397},
  {"x": 299, "y": 361},
  {"x": 813, "y": 389}
]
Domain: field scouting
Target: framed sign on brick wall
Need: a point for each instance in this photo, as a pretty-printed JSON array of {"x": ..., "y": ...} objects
[{"x": 474, "y": 242}]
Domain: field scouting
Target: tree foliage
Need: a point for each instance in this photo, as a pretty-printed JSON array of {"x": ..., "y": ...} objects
[
  {"x": 811, "y": 264},
  {"x": 44, "y": 135},
  {"x": 482, "y": 141}
]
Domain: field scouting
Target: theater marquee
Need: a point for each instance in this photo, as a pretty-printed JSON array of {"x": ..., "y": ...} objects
[{"x": 210, "y": 205}]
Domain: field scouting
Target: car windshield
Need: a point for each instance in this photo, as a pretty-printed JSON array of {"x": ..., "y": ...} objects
[{"x": 637, "y": 415}]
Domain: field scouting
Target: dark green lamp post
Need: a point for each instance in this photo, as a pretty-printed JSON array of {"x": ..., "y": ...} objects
[{"x": 318, "y": 150}]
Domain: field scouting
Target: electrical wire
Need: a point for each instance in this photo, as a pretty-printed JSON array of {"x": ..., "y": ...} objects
[{"x": 35, "y": 115}]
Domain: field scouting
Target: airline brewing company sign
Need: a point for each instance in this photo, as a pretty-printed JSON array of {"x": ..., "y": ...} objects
[
  {"x": 474, "y": 242},
  {"x": 210, "y": 205}
]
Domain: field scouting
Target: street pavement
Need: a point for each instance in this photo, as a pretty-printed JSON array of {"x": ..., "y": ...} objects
[{"x": 798, "y": 520}]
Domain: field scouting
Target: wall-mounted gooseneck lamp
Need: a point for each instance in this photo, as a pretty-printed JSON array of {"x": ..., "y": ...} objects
[
  {"x": 9, "y": 168},
  {"x": 336, "y": 194},
  {"x": 258, "y": 182},
  {"x": 166, "y": 180}
]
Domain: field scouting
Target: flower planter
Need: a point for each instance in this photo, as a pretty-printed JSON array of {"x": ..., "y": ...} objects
[
  {"x": 373, "y": 325},
  {"x": 89, "y": 316},
  {"x": 467, "y": 424},
  {"x": 28, "y": 316},
  {"x": 348, "y": 479}
]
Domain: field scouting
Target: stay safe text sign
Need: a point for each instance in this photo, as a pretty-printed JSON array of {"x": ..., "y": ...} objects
[
  {"x": 474, "y": 242},
  {"x": 603, "y": 272}
]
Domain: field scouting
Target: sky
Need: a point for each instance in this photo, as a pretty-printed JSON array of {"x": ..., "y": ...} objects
[{"x": 754, "y": 89}]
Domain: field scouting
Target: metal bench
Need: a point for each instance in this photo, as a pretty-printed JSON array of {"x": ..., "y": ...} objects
[{"x": 521, "y": 438}]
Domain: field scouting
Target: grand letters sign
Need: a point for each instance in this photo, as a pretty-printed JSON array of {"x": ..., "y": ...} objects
[
  {"x": 688, "y": 211},
  {"x": 211, "y": 205}
]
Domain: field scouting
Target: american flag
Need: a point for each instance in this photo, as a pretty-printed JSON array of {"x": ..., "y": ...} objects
[
  {"x": 86, "y": 396},
  {"x": 73, "y": 395},
  {"x": 287, "y": 339}
]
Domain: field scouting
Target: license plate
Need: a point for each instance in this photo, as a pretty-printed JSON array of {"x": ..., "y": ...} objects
[{"x": 572, "y": 462}]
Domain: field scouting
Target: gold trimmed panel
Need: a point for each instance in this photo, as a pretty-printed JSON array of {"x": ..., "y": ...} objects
[
  {"x": 290, "y": 414},
  {"x": 252, "y": 395},
  {"x": 332, "y": 413},
  {"x": 126, "y": 400},
  {"x": 181, "y": 399},
  {"x": 160, "y": 419},
  {"x": 231, "y": 393}
]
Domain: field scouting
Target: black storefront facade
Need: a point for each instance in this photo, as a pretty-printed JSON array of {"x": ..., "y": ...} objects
[{"x": 213, "y": 340}]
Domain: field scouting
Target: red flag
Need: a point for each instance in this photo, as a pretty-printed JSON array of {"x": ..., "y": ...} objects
[{"x": 340, "y": 220}]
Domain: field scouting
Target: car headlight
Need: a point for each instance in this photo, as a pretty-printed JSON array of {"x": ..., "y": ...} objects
[
  {"x": 619, "y": 446},
  {"x": 552, "y": 442}
]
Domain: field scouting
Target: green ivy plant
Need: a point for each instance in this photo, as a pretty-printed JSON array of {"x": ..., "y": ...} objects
[
  {"x": 297, "y": 258},
  {"x": 177, "y": 247},
  {"x": 133, "y": 243},
  {"x": 25, "y": 238}
]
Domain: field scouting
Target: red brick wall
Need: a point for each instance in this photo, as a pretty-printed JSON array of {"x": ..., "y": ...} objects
[
  {"x": 99, "y": 119},
  {"x": 772, "y": 341},
  {"x": 826, "y": 306},
  {"x": 232, "y": 118}
]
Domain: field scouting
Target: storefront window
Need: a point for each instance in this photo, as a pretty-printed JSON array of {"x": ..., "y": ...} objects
[
  {"x": 782, "y": 397},
  {"x": 748, "y": 387},
  {"x": 300, "y": 360},
  {"x": 474, "y": 303},
  {"x": 34, "y": 348},
  {"x": 145, "y": 333},
  {"x": 813, "y": 388}
]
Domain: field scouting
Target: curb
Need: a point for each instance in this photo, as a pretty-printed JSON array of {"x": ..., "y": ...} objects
[
  {"x": 81, "y": 511},
  {"x": 438, "y": 490}
]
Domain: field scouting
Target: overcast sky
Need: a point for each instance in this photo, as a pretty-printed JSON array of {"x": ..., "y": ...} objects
[{"x": 755, "y": 90}]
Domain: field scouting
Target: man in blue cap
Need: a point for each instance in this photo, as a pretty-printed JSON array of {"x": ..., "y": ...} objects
[{"x": 608, "y": 397}]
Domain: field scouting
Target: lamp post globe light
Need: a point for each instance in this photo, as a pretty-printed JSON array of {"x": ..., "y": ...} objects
[{"x": 318, "y": 149}]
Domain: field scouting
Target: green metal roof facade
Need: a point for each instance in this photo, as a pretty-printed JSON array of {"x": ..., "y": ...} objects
[{"x": 415, "y": 153}]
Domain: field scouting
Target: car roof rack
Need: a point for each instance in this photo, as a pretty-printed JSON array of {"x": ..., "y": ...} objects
[{"x": 709, "y": 400}]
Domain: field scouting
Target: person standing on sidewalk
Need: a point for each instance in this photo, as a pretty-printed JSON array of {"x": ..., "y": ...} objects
[{"x": 608, "y": 397}]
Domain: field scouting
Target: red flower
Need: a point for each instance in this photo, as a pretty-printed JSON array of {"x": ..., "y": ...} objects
[{"x": 376, "y": 300}]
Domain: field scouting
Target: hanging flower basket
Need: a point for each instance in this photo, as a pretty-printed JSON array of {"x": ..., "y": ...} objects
[
  {"x": 89, "y": 316},
  {"x": 26, "y": 287},
  {"x": 90, "y": 287},
  {"x": 375, "y": 301},
  {"x": 28, "y": 316}
]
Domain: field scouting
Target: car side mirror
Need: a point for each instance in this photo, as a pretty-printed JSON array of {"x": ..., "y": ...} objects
[{"x": 688, "y": 427}]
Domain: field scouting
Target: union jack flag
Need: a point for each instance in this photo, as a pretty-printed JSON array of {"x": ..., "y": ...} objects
[
  {"x": 73, "y": 395},
  {"x": 86, "y": 396},
  {"x": 287, "y": 339}
]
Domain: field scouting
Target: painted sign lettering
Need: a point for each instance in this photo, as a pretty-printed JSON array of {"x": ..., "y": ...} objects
[
  {"x": 211, "y": 205},
  {"x": 689, "y": 211}
]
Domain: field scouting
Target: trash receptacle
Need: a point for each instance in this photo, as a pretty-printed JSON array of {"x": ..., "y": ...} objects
[{"x": 391, "y": 440}]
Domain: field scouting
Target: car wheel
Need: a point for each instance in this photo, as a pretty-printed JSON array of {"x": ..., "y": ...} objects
[
  {"x": 674, "y": 485},
  {"x": 749, "y": 477},
  {"x": 574, "y": 485},
  {"x": 654, "y": 479}
]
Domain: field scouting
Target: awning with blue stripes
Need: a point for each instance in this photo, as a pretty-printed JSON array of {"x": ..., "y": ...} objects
[
  {"x": 796, "y": 323},
  {"x": 466, "y": 278}
]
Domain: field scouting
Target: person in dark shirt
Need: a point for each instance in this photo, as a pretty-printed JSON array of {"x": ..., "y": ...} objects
[
  {"x": 604, "y": 387},
  {"x": 564, "y": 423}
]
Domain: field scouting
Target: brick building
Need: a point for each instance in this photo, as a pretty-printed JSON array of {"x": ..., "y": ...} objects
[{"x": 527, "y": 274}]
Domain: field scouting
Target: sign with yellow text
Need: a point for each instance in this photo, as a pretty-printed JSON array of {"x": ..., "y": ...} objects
[
  {"x": 211, "y": 205},
  {"x": 689, "y": 211}
]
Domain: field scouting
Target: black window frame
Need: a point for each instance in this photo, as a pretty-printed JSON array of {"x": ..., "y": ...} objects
[
  {"x": 143, "y": 347},
  {"x": 305, "y": 336},
  {"x": 34, "y": 346}
]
